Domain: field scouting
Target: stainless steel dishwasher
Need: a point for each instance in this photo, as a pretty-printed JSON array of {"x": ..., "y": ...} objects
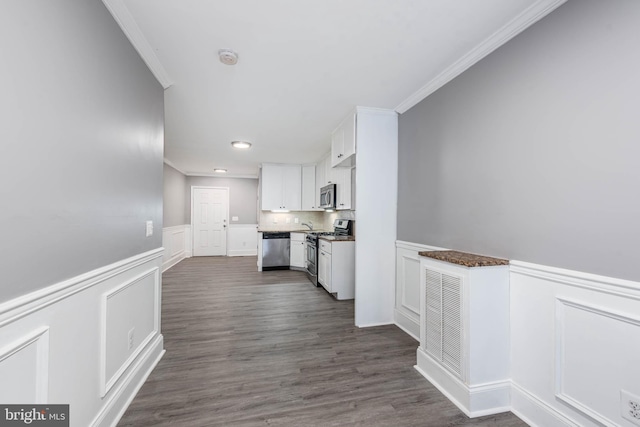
[{"x": 275, "y": 250}]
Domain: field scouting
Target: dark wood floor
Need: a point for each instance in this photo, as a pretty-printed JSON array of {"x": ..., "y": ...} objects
[{"x": 270, "y": 349}]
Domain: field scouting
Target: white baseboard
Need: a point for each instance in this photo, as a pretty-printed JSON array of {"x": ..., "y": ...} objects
[
  {"x": 73, "y": 349},
  {"x": 407, "y": 324},
  {"x": 120, "y": 399},
  {"x": 176, "y": 241},
  {"x": 535, "y": 411},
  {"x": 372, "y": 325},
  {"x": 474, "y": 400},
  {"x": 241, "y": 252}
]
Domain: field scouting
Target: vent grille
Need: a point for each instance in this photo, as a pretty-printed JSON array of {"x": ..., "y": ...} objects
[{"x": 443, "y": 320}]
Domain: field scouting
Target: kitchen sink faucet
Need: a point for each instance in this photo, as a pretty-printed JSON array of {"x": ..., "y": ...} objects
[{"x": 310, "y": 225}]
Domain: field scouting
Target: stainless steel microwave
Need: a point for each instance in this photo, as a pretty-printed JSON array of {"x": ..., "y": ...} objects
[{"x": 328, "y": 196}]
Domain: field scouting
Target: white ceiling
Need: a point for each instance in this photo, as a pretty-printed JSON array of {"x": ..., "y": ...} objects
[{"x": 303, "y": 65}]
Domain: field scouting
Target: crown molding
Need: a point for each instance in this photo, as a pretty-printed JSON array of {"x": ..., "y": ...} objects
[
  {"x": 531, "y": 15},
  {"x": 130, "y": 28},
  {"x": 169, "y": 163}
]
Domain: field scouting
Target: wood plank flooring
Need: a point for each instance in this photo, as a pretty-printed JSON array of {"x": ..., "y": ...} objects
[{"x": 270, "y": 349}]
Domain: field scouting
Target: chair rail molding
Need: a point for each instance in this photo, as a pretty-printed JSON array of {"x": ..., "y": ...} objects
[{"x": 58, "y": 337}]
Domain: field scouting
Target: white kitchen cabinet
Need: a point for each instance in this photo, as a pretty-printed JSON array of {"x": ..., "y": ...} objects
[
  {"x": 324, "y": 270},
  {"x": 464, "y": 329},
  {"x": 342, "y": 178},
  {"x": 310, "y": 191},
  {"x": 259, "y": 251},
  {"x": 343, "y": 143},
  {"x": 281, "y": 187},
  {"x": 324, "y": 175},
  {"x": 296, "y": 255},
  {"x": 336, "y": 268}
]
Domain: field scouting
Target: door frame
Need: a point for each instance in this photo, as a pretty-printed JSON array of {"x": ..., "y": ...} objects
[{"x": 193, "y": 228}]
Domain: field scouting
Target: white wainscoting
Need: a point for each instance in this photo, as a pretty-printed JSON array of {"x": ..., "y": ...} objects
[
  {"x": 176, "y": 241},
  {"x": 57, "y": 341},
  {"x": 242, "y": 240},
  {"x": 574, "y": 340},
  {"x": 407, "y": 305},
  {"x": 575, "y": 344}
]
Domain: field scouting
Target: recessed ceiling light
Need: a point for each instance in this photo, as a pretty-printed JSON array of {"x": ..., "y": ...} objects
[
  {"x": 217, "y": 170},
  {"x": 243, "y": 145},
  {"x": 228, "y": 57}
]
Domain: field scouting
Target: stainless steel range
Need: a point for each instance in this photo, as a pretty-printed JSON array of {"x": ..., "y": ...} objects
[{"x": 341, "y": 227}]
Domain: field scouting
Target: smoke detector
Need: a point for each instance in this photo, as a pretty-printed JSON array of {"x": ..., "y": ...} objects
[{"x": 228, "y": 57}]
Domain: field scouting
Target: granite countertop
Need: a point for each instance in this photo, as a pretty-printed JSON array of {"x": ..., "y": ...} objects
[
  {"x": 338, "y": 238},
  {"x": 306, "y": 230},
  {"x": 464, "y": 259}
]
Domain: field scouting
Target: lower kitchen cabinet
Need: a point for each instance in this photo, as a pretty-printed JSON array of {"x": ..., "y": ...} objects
[
  {"x": 336, "y": 267},
  {"x": 296, "y": 256}
]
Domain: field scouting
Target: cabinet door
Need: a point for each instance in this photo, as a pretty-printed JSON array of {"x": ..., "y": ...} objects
[
  {"x": 271, "y": 183},
  {"x": 337, "y": 146},
  {"x": 291, "y": 187},
  {"x": 297, "y": 258},
  {"x": 324, "y": 270},
  {"x": 349, "y": 142},
  {"x": 322, "y": 267},
  {"x": 343, "y": 188},
  {"x": 309, "y": 199},
  {"x": 343, "y": 143},
  {"x": 328, "y": 171},
  {"x": 320, "y": 180}
]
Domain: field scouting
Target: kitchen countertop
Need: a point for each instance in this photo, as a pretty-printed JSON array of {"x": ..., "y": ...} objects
[
  {"x": 464, "y": 259},
  {"x": 338, "y": 238},
  {"x": 291, "y": 231}
]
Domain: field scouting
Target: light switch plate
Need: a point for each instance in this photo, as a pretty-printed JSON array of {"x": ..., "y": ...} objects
[
  {"x": 149, "y": 228},
  {"x": 234, "y": 218}
]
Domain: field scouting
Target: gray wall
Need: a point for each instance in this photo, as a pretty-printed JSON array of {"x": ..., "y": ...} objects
[
  {"x": 533, "y": 153},
  {"x": 174, "y": 197},
  {"x": 243, "y": 196},
  {"x": 82, "y": 144}
]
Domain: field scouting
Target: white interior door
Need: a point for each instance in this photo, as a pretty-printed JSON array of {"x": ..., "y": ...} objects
[{"x": 209, "y": 212}]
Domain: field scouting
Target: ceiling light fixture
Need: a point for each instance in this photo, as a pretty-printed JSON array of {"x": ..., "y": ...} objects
[
  {"x": 217, "y": 170},
  {"x": 228, "y": 57},
  {"x": 243, "y": 145}
]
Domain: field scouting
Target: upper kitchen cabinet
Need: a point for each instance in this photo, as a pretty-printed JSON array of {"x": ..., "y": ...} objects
[
  {"x": 281, "y": 187},
  {"x": 310, "y": 192},
  {"x": 342, "y": 179},
  {"x": 343, "y": 143}
]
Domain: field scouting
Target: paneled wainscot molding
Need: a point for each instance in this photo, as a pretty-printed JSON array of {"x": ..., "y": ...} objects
[
  {"x": 561, "y": 375},
  {"x": 407, "y": 304},
  {"x": 176, "y": 241},
  {"x": 61, "y": 338}
]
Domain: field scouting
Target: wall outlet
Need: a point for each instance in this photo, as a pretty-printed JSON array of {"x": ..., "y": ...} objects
[
  {"x": 149, "y": 228},
  {"x": 630, "y": 407},
  {"x": 296, "y": 220},
  {"x": 130, "y": 338}
]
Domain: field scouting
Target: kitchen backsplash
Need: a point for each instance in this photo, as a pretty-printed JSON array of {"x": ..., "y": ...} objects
[{"x": 277, "y": 221}]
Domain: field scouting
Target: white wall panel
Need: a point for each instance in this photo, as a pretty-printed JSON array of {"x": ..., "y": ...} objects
[
  {"x": 575, "y": 340},
  {"x": 24, "y": 364},
  {"x": 407, "y": 303},
  {"x": 67, "y": 356},
  {"x": 242, "y": 240},
  {"x": 176, "y": 241},
  {"x": 130, "y": 321}
]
